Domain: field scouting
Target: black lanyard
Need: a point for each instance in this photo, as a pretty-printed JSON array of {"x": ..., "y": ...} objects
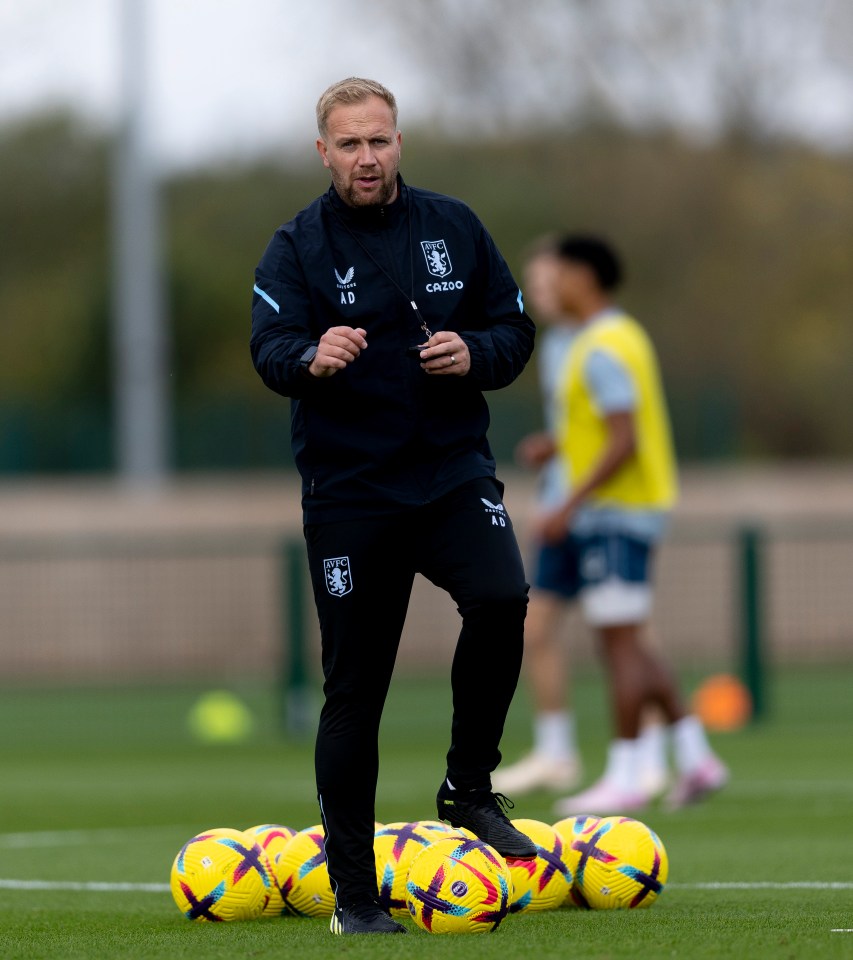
[{"x": 408, "y": 297}]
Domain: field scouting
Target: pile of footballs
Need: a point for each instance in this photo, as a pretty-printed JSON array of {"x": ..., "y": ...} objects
[{"x": 443, "y": 878}]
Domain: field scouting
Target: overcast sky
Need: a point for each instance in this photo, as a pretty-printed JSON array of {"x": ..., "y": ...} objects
[
  {"x": 226, "y": 76},
  {"x": 235, "y": 77}
]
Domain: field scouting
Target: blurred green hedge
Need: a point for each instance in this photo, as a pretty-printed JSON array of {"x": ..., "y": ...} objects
[{"x": 738, "y": 254}]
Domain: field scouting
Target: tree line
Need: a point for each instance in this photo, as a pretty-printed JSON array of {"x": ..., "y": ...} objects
[{"x": 738, "y": 260}]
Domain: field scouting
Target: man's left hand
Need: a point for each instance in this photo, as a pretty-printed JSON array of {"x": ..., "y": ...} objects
[
  {"x": 445, "y": 354},
  {"x": 552, "y": 526}
]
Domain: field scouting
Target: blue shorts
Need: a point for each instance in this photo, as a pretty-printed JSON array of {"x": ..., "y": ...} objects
[{"x": 610, "y": 573}]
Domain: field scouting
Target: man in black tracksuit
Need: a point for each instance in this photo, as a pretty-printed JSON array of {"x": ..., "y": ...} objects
[{"x": 383, "y": 312}]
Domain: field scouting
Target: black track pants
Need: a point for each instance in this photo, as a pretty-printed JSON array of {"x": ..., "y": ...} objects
[{"x": 362, "y": 573}]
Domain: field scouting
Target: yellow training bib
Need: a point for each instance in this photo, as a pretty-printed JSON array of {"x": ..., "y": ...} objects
[{"x": 648, "y": 480}]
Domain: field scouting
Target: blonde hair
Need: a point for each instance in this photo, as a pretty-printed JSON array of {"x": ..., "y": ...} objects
[{"x": 349, "y": 91}]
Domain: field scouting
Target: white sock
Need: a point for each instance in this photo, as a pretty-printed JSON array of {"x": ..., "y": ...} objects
[
  {"x": 623, "y": 765},
  {"x": 652, "y": 748},
  {"x": 554, "y": 735},
  {"x": 689, "y": 743}
]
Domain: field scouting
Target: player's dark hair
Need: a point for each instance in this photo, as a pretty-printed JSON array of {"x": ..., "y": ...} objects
[{"x": 595, "y": 253}]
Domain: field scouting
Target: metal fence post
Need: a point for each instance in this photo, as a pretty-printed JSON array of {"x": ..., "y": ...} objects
[
  {"x": 295, "y": 693},
  {"x": 753, "y": 640}
]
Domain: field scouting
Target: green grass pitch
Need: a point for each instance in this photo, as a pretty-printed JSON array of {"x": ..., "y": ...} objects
[{"x": 102, "y": 787}]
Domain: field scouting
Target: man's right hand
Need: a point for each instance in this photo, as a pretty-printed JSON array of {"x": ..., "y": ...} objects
[
  {"x": 535, "y": 450},
  {"x": 337, "y": 348}
]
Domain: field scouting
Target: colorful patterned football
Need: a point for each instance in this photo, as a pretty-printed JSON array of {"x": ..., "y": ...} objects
[
  {"x": 572, "y": 829},
  {"x": 302, "y": 875},
  {"x": 439, "y": 827},
  {"x": 395, "y": 846},
  {"x": 221, "y": 874},
  {"x": 621, "y": 863},
  {"x": 272, "y": 837},
  {"x": 457, "y": 885},
  {"x": 543, "y": 883}
]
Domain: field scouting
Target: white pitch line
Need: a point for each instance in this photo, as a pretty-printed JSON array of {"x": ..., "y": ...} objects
[
  {"x": 93, "y": 886},
  {"x": 765, "y": 885},
  {"x": 75, "y": 838}
]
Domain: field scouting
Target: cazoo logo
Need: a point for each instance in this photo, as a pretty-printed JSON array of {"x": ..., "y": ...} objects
[{"x": 444, "y": 285}]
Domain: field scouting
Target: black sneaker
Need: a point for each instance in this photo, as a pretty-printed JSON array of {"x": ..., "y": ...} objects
[
  {"x": 364, "y": 917},
  {"x": 480, "y": 812}
]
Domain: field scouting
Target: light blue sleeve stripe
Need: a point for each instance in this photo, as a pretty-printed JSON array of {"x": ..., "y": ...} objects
[
  {"x": 610, "y": 383},
  {"x": 266, "y": 297},
  {"x": 520, "y": 301}
]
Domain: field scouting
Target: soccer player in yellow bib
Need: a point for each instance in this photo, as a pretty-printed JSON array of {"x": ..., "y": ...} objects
[
  {"x": 614, "y": 444},
  {"x": 554, "y": 760}
]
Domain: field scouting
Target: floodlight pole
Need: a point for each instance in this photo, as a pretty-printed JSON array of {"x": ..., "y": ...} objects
[{"x": 141, "y": 408}]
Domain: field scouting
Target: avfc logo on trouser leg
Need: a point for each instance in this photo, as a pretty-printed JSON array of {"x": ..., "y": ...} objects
[{"x": 338, "y": 576}]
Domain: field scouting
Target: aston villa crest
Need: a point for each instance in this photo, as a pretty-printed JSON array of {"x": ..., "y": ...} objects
[
  {"x": 338, "y": 576},
  {"x": 437, "y": 258}
]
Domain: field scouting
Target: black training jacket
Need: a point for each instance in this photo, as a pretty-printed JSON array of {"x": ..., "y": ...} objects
[{"x": 382, "y": 435}]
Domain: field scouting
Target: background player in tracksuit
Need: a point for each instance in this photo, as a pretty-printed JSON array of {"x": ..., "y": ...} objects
[{"x": 383, "y": 312}]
